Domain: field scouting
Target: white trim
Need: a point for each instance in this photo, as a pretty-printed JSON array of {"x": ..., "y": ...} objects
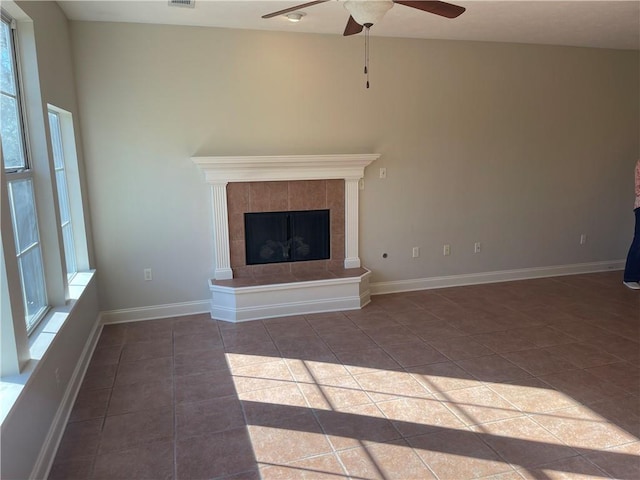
[
  {"x": 51, "y": 443},
  {"x": 155, "y": 311},
  {"x": 284, "y": 167},
  {"x": 381, "y": 288},
  {"x": 257, "y": 302}
]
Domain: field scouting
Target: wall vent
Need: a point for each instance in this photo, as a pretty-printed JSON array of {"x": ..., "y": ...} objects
[{"x": 182, "y": 3}]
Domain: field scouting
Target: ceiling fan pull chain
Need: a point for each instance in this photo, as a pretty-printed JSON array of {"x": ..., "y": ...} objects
[{"x": 366, "y": 54}]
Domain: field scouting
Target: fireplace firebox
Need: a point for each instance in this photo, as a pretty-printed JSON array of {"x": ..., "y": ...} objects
[{"x": 292, "y": 236}]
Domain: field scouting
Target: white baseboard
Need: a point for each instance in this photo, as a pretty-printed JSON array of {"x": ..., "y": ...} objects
[
  {"x": 378, "y": 288},
  {"x": 156, "y": 311},
  {"x": 381, "y": 288},
  {"x": 51, "y": 443}
]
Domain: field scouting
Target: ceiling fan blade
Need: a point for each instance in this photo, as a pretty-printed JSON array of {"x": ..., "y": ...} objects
[
  {"x": 443, "y": 9},
  {"x": 352, "y": 27},
  {"x": 293, "y": 9}
]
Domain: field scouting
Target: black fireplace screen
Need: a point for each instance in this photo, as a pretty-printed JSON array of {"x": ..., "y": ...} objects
[{"x": 274, "y": 237}]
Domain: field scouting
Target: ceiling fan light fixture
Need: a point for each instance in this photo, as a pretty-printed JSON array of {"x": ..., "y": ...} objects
[
  {"x": 295, "y": 17},
  {"x": 368, "y": 12}
]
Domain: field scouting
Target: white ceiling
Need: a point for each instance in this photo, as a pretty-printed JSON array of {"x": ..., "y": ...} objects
[{"x": 600, "y": 24}]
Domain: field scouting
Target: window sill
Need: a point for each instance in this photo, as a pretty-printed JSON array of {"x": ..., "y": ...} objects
[{"x": 39, "y": 343}]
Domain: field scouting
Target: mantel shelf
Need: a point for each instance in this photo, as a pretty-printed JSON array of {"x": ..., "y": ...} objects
[{"x": 284, "y": 167}]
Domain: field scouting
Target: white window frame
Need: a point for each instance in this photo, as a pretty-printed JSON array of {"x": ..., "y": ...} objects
[
  {"x": 19, "y": 348},
  {"x": 25, "y": 173},
  {"x": 59, "y": 160}
]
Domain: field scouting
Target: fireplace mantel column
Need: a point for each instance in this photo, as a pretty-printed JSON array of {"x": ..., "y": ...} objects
[
  {"x": 351, "y": 258},
  {"x": 221, "y": 231}
]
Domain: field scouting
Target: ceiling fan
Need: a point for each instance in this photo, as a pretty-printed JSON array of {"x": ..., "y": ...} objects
[{"x": 364, "y": 13}]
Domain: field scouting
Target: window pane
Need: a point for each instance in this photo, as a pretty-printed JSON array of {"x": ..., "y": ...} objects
[
  {"x": 23, "y": 210},
  {"x": 56, "y": 140},
  {"x": 63, "y": 197},
  {"x": 7, "y": 76},
  {"x": 12, "y": 145},
  {"x": 69, "y": 254},
  {"x": 35, "y": 298}
]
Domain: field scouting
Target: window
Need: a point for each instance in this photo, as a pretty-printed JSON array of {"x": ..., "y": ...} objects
[
  {"x": 20, "y": 182},
  {"x": 55, "y": 127}
]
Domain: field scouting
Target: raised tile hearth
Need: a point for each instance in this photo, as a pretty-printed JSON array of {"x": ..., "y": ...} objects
[{"x": 241, "y": 292}]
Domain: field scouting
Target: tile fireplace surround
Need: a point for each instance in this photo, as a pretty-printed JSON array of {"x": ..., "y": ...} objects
[{"x": 241, "y": 293}]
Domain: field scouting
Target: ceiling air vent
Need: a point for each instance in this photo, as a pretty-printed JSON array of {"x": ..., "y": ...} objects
[{"x": 182, "y": 3}]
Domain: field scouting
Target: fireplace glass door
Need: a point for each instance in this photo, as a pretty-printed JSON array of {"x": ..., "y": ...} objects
[{"x": 275, "y": 237}]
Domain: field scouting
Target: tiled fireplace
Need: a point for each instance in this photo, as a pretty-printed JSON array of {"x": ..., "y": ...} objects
[{"x": 242, "y": 185}]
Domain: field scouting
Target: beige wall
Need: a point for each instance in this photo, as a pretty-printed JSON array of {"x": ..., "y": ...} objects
[{"x": 522, "y": 148}]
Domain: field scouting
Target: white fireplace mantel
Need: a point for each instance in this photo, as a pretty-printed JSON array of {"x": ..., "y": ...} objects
[{"x": 221, "y": 170}]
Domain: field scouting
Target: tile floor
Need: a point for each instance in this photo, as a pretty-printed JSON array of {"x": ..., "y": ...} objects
[{"x": 536, "y": 379}]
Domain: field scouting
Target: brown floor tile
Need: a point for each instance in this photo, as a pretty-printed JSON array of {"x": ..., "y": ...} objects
[
  {"x": 90, "y": 404},
  {"x": 523, "y": 443},
  {"x": 203, "y": 386},
  {"x": 80, "y": 468},
  {"x": 109, "y": 355},
  {"x": 148, "y": 370},
  {"x": 271, "y": 404},
  {"x": 334, "y": 393},
  {"x": 443, "y": 377},
  {"x": 354, "y": 426},
  {"x": 539, "y": 361},
  {"x": 196, "y": 342},
  {"x": 122, "y": 432},
  {"x": 386, "y": 385},
  {"x": 199, "y": 362},
  {"x": 208, "y": 416},
  {"x": 99, "y": 376},
  {"x": 339, "y": 395},
  {"x": 622, "y": 374},
  {"x": 459, "y": 348},
  {"x": 493, "y": 368},
  {"x": 320, "y": 367},
  {"x": 141, "y": 396},
  {"x": 259, "y": 353},
  {"x": 574, "y": 468},
  {"x": 323, "y": 467},
  {"x": 368, "y": 361},
  {"x": 289, "y": 439},
  {"x": 583, "y": 355},
  {"x": 478, "y": 405},
  {"x": 533, "y": 396},
  {"x": 582, "y": 386},
  {"x": 582, "y": 428},
  {"x": 80, "y": 440},
  {"x": 545, "y": 336},
  {"x": 456, "y": 454},
  {"x": 414, "y": 353},
  {"x": 619, "y": 462},
  {"x": 417, "y": 416},
  {"x": 133, "y": 352},
  {"x": 153, "y": 461},
  {"x": 391, "y": 335},
  {"x": 506, "y": 341},
  {"x": 259, "y": 376},
  {"x": 215, "y": 455},
  {"x": 385, "y": 461}
]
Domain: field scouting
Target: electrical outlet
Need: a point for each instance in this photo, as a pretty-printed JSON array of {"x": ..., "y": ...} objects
[
  {"x": 477, "y": 247},
  {"x": 416, "y": 252},
  {"x": 383, "y": 173},
  {"x": 583, "y": 239},
  {"x": 147, "y": 275},
  {"x": 446, "y": 250}
]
